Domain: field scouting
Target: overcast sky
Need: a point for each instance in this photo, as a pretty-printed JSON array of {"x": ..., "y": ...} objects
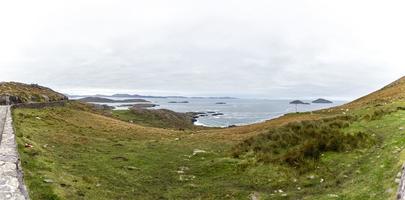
[{"x": 268, "y": 49}]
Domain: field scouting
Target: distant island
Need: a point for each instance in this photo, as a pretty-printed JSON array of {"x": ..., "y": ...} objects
[
  {"x": 106, "y": 100},
  {"x": 320, "y": 100},
  {"x": 146, "y": 96},
  {"x": 143, "y": 105},
  {"x": 298, "y": 102},
  {"x": 178, "y": 102}
]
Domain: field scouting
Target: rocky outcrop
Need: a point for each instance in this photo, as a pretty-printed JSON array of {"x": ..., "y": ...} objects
[{"x": 9, "y": 100}]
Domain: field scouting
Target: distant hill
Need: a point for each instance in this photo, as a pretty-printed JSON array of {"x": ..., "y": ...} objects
[
  {"x": 106, "y": 100},
  {"x": 320, "y": 100},
  {"x": 134, "y": 96},
  {"x": 14, "y": 92},
  {"x": 390, "y": 93}
]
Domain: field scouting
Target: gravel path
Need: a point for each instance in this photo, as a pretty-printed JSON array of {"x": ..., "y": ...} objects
[{"x": 11, "y": 182}]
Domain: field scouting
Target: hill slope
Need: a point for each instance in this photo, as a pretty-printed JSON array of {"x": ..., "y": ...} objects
[
  {"x": 388, "y": 94},
  {"x": 13, "y": 93}
]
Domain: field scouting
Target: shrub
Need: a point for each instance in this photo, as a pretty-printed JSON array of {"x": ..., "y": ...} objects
[{"x": 298, "y": 142}]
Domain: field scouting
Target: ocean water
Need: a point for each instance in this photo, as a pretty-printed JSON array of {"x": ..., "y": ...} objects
[{"x": 235, "y": 111}]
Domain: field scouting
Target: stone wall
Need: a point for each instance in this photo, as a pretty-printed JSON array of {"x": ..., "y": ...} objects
[
  {"x": 11, "y": 176},
  {"x": 401, "y": 189},
  {"x": 40, "y": 105}
]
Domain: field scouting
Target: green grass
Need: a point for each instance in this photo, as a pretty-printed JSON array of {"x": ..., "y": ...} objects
[
  {"x": 89, "y": 156},
  {"x": 297, "y": 143}
]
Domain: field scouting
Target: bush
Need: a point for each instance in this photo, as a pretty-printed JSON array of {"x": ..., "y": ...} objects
[{"x": 298, "y": 142}]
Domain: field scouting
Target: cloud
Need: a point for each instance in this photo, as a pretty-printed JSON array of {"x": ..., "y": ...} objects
[{"x": 269, "y": 49}]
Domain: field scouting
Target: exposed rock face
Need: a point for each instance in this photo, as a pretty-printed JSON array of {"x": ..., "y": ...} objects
[{"x": 8, "y": 100}]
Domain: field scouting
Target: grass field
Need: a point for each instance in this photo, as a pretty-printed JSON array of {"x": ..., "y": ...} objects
[{"x": 82, "y": 155}]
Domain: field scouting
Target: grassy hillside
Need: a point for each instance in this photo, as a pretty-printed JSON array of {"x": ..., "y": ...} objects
[
  {"x": 351, "y": 152},
  {"x": 14, "y": 92},
  {"x": 388, "y": 94},
  {"x": 82, "y": 155}
]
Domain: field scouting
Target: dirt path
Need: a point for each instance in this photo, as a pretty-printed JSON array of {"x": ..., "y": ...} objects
[{"x": 11, "y": 182}]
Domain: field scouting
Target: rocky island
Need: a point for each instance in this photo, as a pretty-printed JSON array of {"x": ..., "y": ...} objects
[
  {"x": 178, "y": 102},
  {"x": 298, "y": 102},
  {"x": 320, "y": 100}
]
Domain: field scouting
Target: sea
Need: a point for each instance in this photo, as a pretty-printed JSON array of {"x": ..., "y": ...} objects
[{"x": 234, "y": 111}]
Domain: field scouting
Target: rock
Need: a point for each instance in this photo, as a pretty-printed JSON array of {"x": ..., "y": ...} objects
[
  {"x": 26, "y": 145},
  {"x": 333, "y": 195},
  {"x": 45, "y": 98},
  {"x": 254, "y": 196},
  {"x": 186, "y": 177},
  {"x": 48, "y": 180},
  {"x": 198, "y": 151},
  {"x": 131, "y": 168}
]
